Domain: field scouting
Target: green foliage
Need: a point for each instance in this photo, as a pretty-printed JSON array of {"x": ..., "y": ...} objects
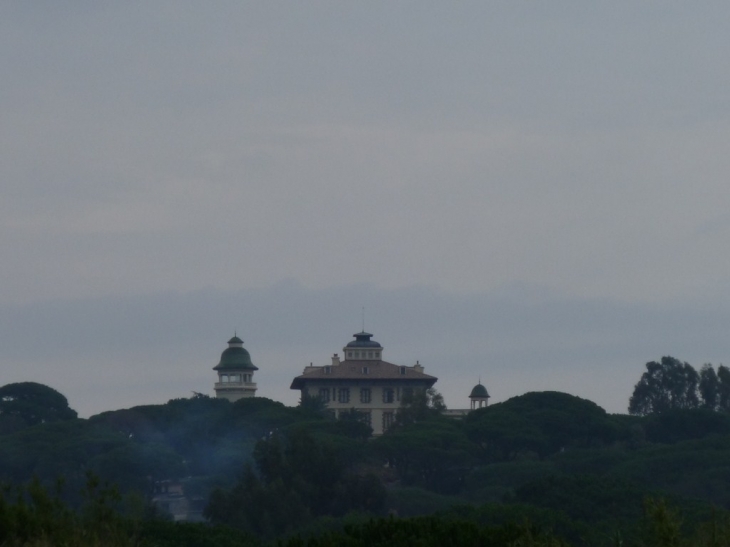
[
  {"x": 31, "y": 516},
  {"x": 301, "y": 474},
  {"x": 311, "y": 405},
  {"x": 201, "y": 436},
  {"x": 723, "y": 395},
  {"x": 160, "y": 533},
  {"x": 585, "y": 498},
  {"x": 669, "y": 384},
  {"x": 695, "y": 469},
  {"x": 409, "y": 501},
  {"x": 71, "y": 448},
  {"x": 420, "y": 405},
  {"x": 714, "y": 388},
  {"x": 274, "y": 471},
  {"x": 538, "y": 424},
  {"x": 433, "y": 454},
  {"x": 27, "y": 403},
  {"x": 530, "y": 516},
  {"x": 497, "y": 481},
  {"x": 680, "y": 425},
  {"x": 352, "y": 424},
  {"x": 430, "y": 532},
  {"x": 709, "y": 387},
  {"x": 662, "y": 525}
]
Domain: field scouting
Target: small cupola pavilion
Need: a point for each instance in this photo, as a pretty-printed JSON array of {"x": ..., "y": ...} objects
[{"x": 479, "y": 396}]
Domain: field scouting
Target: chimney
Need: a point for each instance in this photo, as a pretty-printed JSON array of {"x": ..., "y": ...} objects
[
  {"x": 335, "y": 360},
  {"x": 417, "y": 367}
]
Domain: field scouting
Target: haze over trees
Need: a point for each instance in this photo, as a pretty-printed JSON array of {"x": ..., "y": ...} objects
[{"x": 268, "y": 472}]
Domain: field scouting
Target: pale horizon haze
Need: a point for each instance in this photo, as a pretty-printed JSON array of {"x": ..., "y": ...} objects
[{"x": 531, "y": 194}]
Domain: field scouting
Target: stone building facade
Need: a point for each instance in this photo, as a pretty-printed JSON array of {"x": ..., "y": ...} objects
[{"x": 363, "y": 381}]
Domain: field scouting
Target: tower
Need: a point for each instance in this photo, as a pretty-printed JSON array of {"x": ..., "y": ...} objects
[{"x": 235, "y": 372}]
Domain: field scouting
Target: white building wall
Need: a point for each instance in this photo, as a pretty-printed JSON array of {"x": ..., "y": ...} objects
[{"x": 376, "y": 407}]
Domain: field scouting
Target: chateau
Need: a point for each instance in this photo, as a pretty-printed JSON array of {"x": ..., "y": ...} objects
[{"x": 362, "y": 380}]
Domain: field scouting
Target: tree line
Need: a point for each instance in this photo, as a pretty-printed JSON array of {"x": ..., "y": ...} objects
[
  {"x": 672, "y": 384},
  {"x": 268, "y": 472}
]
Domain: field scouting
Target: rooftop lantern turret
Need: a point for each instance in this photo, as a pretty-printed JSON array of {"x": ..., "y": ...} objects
[
  {"x": 235, "y": 372},
  {"x": 362, "y": 348}
]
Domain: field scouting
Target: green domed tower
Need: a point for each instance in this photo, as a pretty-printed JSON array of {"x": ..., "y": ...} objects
[
  {"x": 235, "y": 372},
  {"x": 479, "y": 396}
]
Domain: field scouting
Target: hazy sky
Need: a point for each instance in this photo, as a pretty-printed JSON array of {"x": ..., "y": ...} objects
[{"x": 536, "y": 193}]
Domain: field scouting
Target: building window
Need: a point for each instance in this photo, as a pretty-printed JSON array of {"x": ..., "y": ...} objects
[
  {"x": 327, "y": 369},
  {"x": 324, "y": 394},
  {"x": 366, "y": 418},
  {"x": 344, "y": 395},
  {"x": 403, "y": 371},
  {"x": 365, "y": 395},
  {"x": 387, "y": 395},
  {"x": 388, "y": 419},
  {"x": 364, "y": 370}
]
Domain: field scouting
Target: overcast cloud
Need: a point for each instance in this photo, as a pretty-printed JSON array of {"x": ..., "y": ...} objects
[{"x": 531, "y": 192}]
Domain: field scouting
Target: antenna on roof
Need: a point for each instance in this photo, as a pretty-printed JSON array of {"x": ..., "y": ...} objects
[{"x": 363, "y": 318}]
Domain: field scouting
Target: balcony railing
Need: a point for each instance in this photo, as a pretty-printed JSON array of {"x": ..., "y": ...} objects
[{"x": 235, "y": 385}]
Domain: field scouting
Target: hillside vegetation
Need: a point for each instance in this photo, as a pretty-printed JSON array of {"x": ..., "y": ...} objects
[{"x": 547, "y": 466}]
